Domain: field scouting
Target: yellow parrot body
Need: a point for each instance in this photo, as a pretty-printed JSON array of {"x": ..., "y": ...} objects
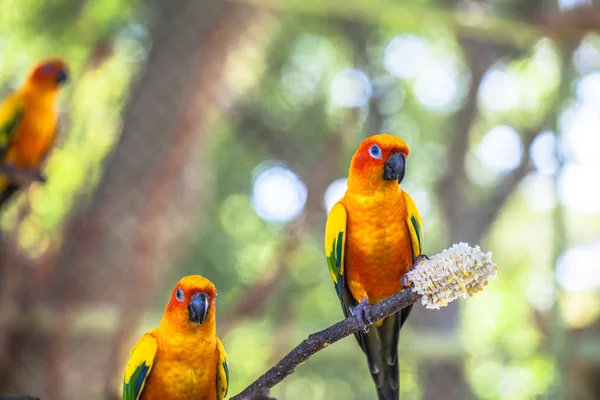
[
  {"x": 373, "y": 236},
  {"x": 28, "y": 120},
  {"x": 35, "y": 132},
  {"x": 381, "y": 252},
  {"x": 182, "y": 358}
]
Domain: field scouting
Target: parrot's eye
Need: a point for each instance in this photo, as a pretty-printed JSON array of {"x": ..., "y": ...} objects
[
  {"x": 375, "y": 152},
  {"x": 179, "y": 294}
]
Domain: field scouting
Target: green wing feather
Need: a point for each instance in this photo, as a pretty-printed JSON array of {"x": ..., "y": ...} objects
[
  {"x": 139, "y": 366},
  {"x": 222, "y": 372},
  {"x": 335, "y": 245},
  {"x": 334, "y": 262},
  {"x": 11, "y": 114},
  {"x": 415, "y": 226}
]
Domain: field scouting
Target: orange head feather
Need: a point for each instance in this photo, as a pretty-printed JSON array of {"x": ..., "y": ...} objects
[
  {"x": 48, "y": 76},
  {"x": 379, "y": 162},
  {"x": 191, "y": 307}
]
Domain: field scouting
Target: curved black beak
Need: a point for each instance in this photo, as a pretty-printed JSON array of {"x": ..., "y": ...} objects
[
  {"x": 198, "y": 308},
  {"x": 395, "y": 167},
  {"x": 62, "y": 77}
]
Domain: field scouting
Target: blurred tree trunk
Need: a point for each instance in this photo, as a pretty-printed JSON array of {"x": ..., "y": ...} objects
[{"x": 148, "y": 201}]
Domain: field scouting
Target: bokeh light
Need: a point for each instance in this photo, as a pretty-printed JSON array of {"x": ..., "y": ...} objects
[
  {"x": 437, "y": 86},
  {"x": 580, "y": 126},
  {"x": 578, "y": 189},
  {"x": 499, "y": 90},
  {"x": 540, "y": 290},
  {"x": 569, "y": 4},
  {"x": 421, "y": 198},
  {"x": 335, "y": 192},
  {"x": 351, "y": 88},
  {"x": 577, "y": 268},
  {"x": 406, "y": 55},
  {"x": 278, "y": 194},
  {"x": 580, "y": 309},
  {"x": 501, "y": 149},
  {"x": 587, "y": 90},
  {"x": 543, "y": 153},
  {"x": 300, "y": 87},
  {"x": 539, "y": 192},
  {"x": 586, "y": 57}
]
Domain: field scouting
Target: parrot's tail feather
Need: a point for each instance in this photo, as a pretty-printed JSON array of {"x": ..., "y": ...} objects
[
  {"x": 6, "y": 193},
  {"x": 380, "y": 345}
]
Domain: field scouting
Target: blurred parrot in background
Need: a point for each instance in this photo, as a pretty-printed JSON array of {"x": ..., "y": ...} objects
[
  {"x": 182, "y": 358},
  {"x": 28, "y": 120},
  {"x": 373, "y": 237}
]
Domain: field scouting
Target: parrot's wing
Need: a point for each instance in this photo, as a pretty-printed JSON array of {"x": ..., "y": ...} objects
[
  {"x": 335, "y": 245},
  {"x": 222, "y": 372},
  {"x": 413, "y": 220},
  {"x": 139, "y": 366},
  {"x": 11, "y": 114},
  {"x": 414, "y": 226}
]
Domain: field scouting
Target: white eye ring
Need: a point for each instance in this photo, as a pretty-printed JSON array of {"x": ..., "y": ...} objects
[
  {"x": 179, "y": 294},
  {"x": 375, "y": 152}
]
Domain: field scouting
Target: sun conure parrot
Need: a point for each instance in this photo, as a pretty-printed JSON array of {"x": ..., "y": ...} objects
[
  {"x": 28, "y": 120},
  {"x": 373, "y": 237},
  {"x": 182, "y": 358}
]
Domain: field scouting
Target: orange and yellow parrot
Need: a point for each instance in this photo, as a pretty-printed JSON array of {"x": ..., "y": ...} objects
[
  {"x": 182, "y": 358},
  {"x": 28, "y": 120},
  {"x": 373, "y": 237}
]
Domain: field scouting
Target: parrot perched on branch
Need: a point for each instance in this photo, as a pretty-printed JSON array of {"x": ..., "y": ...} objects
[
  {"x": 28, "y": 120},
  {"x": 373, "y": 237},
  {"x": 182, "y": 358}
]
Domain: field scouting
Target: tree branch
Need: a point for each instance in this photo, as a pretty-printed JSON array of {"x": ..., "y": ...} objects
[
  {"x": 454, "y": 273},
  {"x": 20, "y": 398},
  {"x": 568, "y": 25},
  {"x": 318, "y": 341}
]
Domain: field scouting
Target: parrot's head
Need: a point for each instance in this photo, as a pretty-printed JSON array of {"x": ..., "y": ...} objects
[
  {"x": 379, "y": 162},
  {"x": 48, "y": 76},
  {"x": 192, "y": 305}
]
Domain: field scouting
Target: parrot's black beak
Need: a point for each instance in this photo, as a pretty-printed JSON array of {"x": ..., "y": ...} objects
[
  {"x": 62, "y": 77},
  {"x": 198, "y": 308},
  {"x": 395, "y": 167}
]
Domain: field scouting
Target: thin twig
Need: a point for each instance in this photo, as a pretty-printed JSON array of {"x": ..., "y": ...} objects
[{"x": 320, "y": 340}]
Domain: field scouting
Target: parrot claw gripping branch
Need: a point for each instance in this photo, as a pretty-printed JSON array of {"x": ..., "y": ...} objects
[{"x": 22, "y": 177}]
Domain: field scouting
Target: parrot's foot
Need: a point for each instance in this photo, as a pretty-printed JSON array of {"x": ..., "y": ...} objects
[
  {"x": 22, "y": 177},
  {"x": 419, "y": 260},
  {"x": 9, "y": 171},
  {"x": 362, "y": 313},
  {"x": 37, "y": 176}
]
